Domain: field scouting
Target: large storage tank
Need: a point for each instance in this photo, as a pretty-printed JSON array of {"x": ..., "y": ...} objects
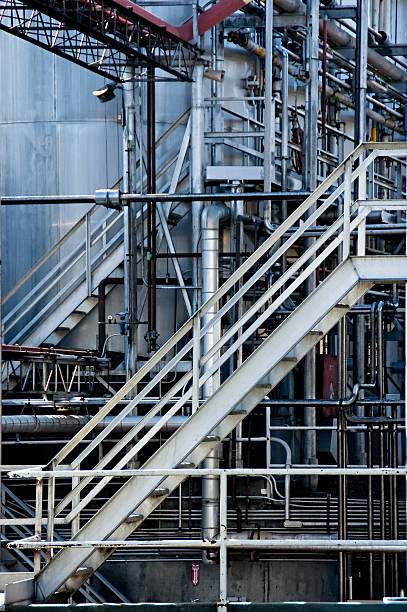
[{"x": 55, "y": 138}]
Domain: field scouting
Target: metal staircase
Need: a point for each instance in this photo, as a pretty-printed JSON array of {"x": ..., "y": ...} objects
[
  {"x": 64, "y": 279},
  {"x": 53, "y": 297},
  {"x": 348, "y": 276}
]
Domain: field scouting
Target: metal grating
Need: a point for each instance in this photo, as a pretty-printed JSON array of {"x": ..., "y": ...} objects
[{"x": 102, "y": 36}]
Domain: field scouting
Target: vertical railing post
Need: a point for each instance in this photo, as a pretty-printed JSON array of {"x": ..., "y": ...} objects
[
  {"x": 38, "y": 523},
  {"x": 362, "y": 196},
  {"x": 75, "y": 501},
  {"x": 196, "y": 357},
  {"x": 347, "y": 196},
  {"x": 223, "y": 560},
  {"x": 87, "y": 256},
  {"x": 51, "y": 515}
]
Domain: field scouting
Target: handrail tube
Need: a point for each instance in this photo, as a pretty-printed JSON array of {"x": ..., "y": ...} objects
[
  {"x": 189, "y": 324},
  {"x": 236, "y": 276},
  {"x": 124, "y": 441},
  {"x": 65, "y": 265},
  {"x": 181, "y": 402},
  {"x": 47, "y": 255},
  {"x": 73, "y": 284}
]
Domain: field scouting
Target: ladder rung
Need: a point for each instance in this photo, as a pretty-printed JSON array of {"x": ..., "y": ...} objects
[
  {"x": 238, "y": 411},
  {"x": 316, "y": 332},
  {"x": 342, "y": 305},
  {"x": 185, "y": 465},
  {"x": 263, "y": 386},
  {"x": 291, "y": 359}
]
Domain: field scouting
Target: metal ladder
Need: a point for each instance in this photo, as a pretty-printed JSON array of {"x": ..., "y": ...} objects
[{"x": 348, "y": 277}]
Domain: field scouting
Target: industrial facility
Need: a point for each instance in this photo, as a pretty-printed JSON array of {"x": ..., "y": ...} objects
[{"x": 204, "y": 268}]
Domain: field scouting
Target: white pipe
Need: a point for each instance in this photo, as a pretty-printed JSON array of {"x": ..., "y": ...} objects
[
  {"x": 287, "y": 477},
  {"x": 397, "y": 546},
  {"x": 197, "y": 166},
  {"x": 210, "y": 221},
  {"x": 269, "y": 124},
  {"x": 338, "y": 37},
  {"x": 37, "y": 472},
  {"x": 68, "y": 424}
]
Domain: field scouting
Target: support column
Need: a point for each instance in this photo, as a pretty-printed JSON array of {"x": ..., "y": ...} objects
[
  {"x": 130, "y": 237},
  {"x": 311, "y": 146},
  {"x": 269, "y": 123},
  {"x": 362, "y": 24},
  {"x": 197, "y": 169},
  {"x": 152, "y": 334}
]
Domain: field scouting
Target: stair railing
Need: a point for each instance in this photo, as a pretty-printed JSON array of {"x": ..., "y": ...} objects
[
  {"x": 187, "y": 340},
  {"x": 68, "y": 263},
  {"x": 91, "y": 239}
]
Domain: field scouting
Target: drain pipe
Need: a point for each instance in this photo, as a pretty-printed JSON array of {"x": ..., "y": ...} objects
[{"x": 210, "y": 221}]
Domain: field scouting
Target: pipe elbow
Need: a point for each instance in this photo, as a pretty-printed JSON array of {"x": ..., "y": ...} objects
[{"x": 212, "y": 215}]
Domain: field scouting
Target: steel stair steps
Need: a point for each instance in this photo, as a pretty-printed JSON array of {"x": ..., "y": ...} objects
[
  {"x": 159, "y": 492},
  {"x": 134, "y": 518},
  {"x": 202, "y": 432}
]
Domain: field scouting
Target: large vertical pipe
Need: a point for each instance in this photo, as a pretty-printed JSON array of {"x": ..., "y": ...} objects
[
  {"x": 197, "y": 167},
  {"x": 362, "y": 24},
  {"x": 268, "y": 118},
  {"x": 151, "y": 336},
  {"x": 311, "y": 146},
  {"x": 130, "y": 239},
  {"x": 385, "y": 17},
  {"x": 211, "y": 217}
]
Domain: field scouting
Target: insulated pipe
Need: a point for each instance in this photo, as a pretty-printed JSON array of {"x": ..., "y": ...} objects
[
  {"x": 292, "y": 544},
  {"x": 339, "y": 38},
  {"x": 196, "y": 168},
  {"x": 385, "y": 18},
  {"x": 210, "y": 221},
  {"x": 269, "y": 110},
  {"x": 69, "y": 424}
]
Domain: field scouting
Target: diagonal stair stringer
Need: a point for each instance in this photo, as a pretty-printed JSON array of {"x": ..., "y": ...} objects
[{"x": 266, "y": 366}]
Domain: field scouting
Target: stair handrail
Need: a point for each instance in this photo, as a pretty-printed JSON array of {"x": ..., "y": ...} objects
[
  {"x": 348, "y": 227},
  {"x": 159, "y": 356},
  {"x": 47, "y": 255},
  {"x": 55, "y": 275},
  {"x": 140, "y": 444},
  {"x": 62, "y": 241}
]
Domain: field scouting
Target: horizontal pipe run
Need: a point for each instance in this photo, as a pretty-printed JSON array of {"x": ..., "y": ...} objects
[
  {"x": 388, "y": 546},
  {"x": 275, "y": 471},
  {"x": 156, "y": 197},
  {"x": 67, "y": 424}
]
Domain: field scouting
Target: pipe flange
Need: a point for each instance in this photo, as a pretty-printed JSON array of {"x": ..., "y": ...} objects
[{"x": 110, "y": 198}]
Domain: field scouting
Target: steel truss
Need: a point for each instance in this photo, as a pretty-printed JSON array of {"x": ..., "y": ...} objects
[{"x": 101, "y": 35}]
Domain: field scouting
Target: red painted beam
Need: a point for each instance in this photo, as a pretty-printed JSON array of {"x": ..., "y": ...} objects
[
  {"x": 206, "y": 20},
  {"x": 149, "y": 17}
]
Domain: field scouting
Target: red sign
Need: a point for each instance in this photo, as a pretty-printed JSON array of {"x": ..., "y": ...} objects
[{"x": 195, "y": 573}]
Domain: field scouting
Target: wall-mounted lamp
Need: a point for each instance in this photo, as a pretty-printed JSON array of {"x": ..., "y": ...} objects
[{"x": 106, "y": 93}]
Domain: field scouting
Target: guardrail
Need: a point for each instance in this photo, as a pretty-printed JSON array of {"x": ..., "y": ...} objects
[{"x": 224, "y": 542}]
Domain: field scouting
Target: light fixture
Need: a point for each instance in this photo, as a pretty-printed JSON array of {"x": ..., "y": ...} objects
[{"x": 106, "y": 93}]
